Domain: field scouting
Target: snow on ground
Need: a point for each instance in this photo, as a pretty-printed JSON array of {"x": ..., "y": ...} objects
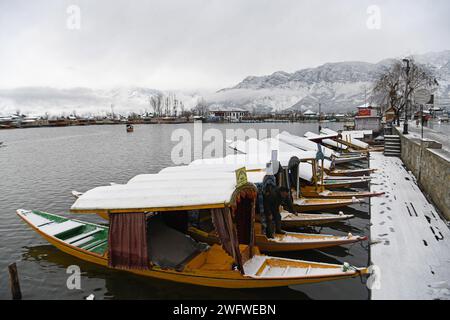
[{"x": 410, "y": 242}]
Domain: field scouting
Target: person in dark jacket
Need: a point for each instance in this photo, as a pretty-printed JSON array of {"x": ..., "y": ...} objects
[{"x": 274, "y": 197}]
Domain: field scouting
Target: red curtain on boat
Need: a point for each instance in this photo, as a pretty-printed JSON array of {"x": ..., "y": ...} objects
[
  {"x": 244, "y": 220},
  {"x": 224, "y": 226},
  {"x": 244, "y": 216},
  {"x": 127, "y": 240}
]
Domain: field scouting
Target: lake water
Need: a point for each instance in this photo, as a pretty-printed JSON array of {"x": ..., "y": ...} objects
[{"x": 38, "y": 169}]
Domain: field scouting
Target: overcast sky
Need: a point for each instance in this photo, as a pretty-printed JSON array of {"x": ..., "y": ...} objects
[{"x": 203, "y": 44}]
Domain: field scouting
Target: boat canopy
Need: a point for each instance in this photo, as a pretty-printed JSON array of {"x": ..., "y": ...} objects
[
  {"x": 284, "y": 157},
  {"x": 358, "y": 134},
  {"x": 262, "y": 150},
  {"x": 163, "y": 192},
  {"x": 305, "y": 144},
  {"x": 264, "y": 146},
  {"x": 328, "y": 141},
  {"x": 347, "y": 138},
  {"x": 305, "y": 168},
  {"x": 236, "y": 161},
  {"x": 195, "y": 173}
]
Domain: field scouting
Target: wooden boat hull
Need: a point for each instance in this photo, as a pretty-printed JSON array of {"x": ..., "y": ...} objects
[
  {"x": 363, "y": 179},
  {"x": 291, "y": 241},
  {"x": 350, "y": 173},
  {"x": 257, "y": 274},
  {"x": 289, "y": 220},
  {"x": 349, "y": 159},
  {"x": 319, "y": 204},
  {"x": 326, "y": 194},
  {"x": 332, "y": 184}
]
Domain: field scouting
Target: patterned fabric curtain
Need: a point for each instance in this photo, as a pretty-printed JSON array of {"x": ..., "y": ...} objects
[
  {"x": 127, "y": 241},
  {"x": 223, "y": 224}
]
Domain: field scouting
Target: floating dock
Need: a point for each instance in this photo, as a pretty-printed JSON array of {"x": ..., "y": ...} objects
[{"x": 410, "y": 241}]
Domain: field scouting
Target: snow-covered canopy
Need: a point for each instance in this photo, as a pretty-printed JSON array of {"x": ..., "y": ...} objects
[
  {"x": 236, "y": 161},
  {"x": 329, "y": 142},
  {"x": 196, "y": 172},
  {"x": 161, "y": 192},
  {"x": 304, "y": 144},
  {"x": 255, "y": 146},
  {"x": 284, "y": 156},
  {"x": 306, "y": 169},
  {"x": 348, "y": 138},
  {"x": 358, "y": 134}
]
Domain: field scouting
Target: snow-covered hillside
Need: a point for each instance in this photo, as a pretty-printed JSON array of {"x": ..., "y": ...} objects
[{"x": 337, "y": 86}]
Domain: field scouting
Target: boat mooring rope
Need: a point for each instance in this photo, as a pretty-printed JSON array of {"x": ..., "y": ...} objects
[{"x": 347, "y": 266}]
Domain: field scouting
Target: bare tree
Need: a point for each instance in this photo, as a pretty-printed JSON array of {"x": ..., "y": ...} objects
[
  {"x": 156, "y": 104},
  {"x": 201, "y": 109},
  {"x": 182, "y": 110},
  {"x": 394, "y": 84}
]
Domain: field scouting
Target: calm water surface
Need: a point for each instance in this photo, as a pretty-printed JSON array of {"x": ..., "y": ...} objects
[{"x": 38, "y": 169}]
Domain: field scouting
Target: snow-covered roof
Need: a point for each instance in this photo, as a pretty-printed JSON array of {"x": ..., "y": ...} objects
[
  {"x": 161, "y": 192},
  {"x": 309, "y": 113},
  {"x": 219, "y": 109}
]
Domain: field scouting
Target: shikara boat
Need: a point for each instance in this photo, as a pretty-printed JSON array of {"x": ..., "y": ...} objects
[
  {"x": 313, "y": 144},
  {"x": 213, "y": 267},
  {"x": 313, "y": 204},
  {"x": 285, "y": 153},
  {"x": 290, "y": 241},
  {"x": 348, "y": 140},
  {"x": 349, "y": 173},
  {"x": 324, "y": 193},
  {"x": 296, "y": 220},
  {"x": 303, "y": 204},
  {"x": 340, "y": 183},
  {"x": 356, "y": 179},
  {"x": 138, "y": 214}
]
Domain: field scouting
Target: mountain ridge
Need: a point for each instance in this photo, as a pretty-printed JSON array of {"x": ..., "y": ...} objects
[{"x": 337, "y": 86}]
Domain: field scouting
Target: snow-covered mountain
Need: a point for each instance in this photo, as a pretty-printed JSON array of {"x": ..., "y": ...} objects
[{"x": 336, "y": 86}]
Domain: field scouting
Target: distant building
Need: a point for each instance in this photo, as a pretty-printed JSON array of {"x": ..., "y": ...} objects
[
  {"x": 310, "y": 114},
  {"x": 233, "y": 115},
  {"x": 389, "y": 115},
  {"x": 368, "y": 118}
]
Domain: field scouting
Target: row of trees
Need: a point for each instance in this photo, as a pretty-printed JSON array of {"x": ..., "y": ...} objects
[{"x": 163, "y": 106}]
